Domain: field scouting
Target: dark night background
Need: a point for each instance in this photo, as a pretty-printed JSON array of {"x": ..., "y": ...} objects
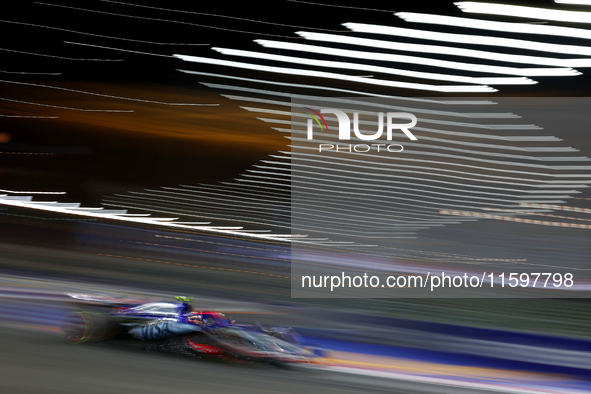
[
  {"x": 102, "y": 153},
  {"x": 55, "y": 140}
]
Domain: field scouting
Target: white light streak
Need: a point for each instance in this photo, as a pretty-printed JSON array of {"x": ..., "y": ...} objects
[
  {"x": 342, "y": 77},
  {"x": 579, "y": 2},
  {"x": 536, "y": 213},
  {"x": 490, "y": 161},
  {"x": 216, "y": 15},
  {"x": 470, "y": 39},
  {"x": 237, "y": 194},
  {"x": 339, "y": 6},
  {"x": 508, "y": 27},
  {"x": 94, "y": 35},
  {"x": 185, "y": 211},
  {"x": 447, "y": 50},
  {"x": 556, "y": 207},
  {"x": 432, "y": 172},
  {"x": 70, "y": 108},
  {"x": 22, "y": 192},
  {"x": 513, "y": 219},
  {"x": 116, "y": 49},
  {"x": 429, "y": 178},
  {"x": 378, "y": 69},
  {"x": 439, "y": 140},
  {"x": 161, "y": 20},
  {"x": 27, "y": 73},
  {"x": 352, "y": 102},
  {"x": 252, "y": 194},
  {"x": 525, "y": 12},
  {"x": 28, "y": 116},
  {"x": 479, "y": 168},
  {"x": 60, "y": 57},
  {"x": 66, "y": 208},
  {"x": 462, "y": 188},
  {"x": 467, "y": 135},
  {"x": 356, "y": 92},
  {"x": 423, "y": 120},
  {"x": 447, "y": 132},
  {"x": 469, "y": 156},
  {"x": 100, "y": 95},
  {"x": 222, "y": 200},
  {"x": 333, "y": 187},
  {"x": 389, "y": 57},
  {"x": 257, "y": 189}
]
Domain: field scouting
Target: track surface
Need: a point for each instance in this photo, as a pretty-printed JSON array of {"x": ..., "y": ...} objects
[
  {"x": 224, "y": 272},
  {"x": 36, "y": 361}
]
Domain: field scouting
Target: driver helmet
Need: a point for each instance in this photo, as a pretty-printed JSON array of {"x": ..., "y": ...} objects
[{"x": 209, "y": 321}]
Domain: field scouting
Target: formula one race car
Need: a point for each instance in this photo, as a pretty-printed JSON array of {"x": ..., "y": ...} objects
[{"x": 177, "y": 327}]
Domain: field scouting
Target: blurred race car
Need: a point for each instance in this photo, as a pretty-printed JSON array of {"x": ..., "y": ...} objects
[{"x": 177, "y": 327}]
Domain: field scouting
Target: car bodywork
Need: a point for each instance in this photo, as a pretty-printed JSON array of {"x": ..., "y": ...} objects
[{"x": 169, "y": 326}]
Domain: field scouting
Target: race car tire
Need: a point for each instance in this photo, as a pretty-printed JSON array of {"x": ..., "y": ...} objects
[{"x": 82, "y": 326}]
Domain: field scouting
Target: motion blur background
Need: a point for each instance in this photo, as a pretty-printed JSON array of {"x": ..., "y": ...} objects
[{"x": 97, "y": 110}]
